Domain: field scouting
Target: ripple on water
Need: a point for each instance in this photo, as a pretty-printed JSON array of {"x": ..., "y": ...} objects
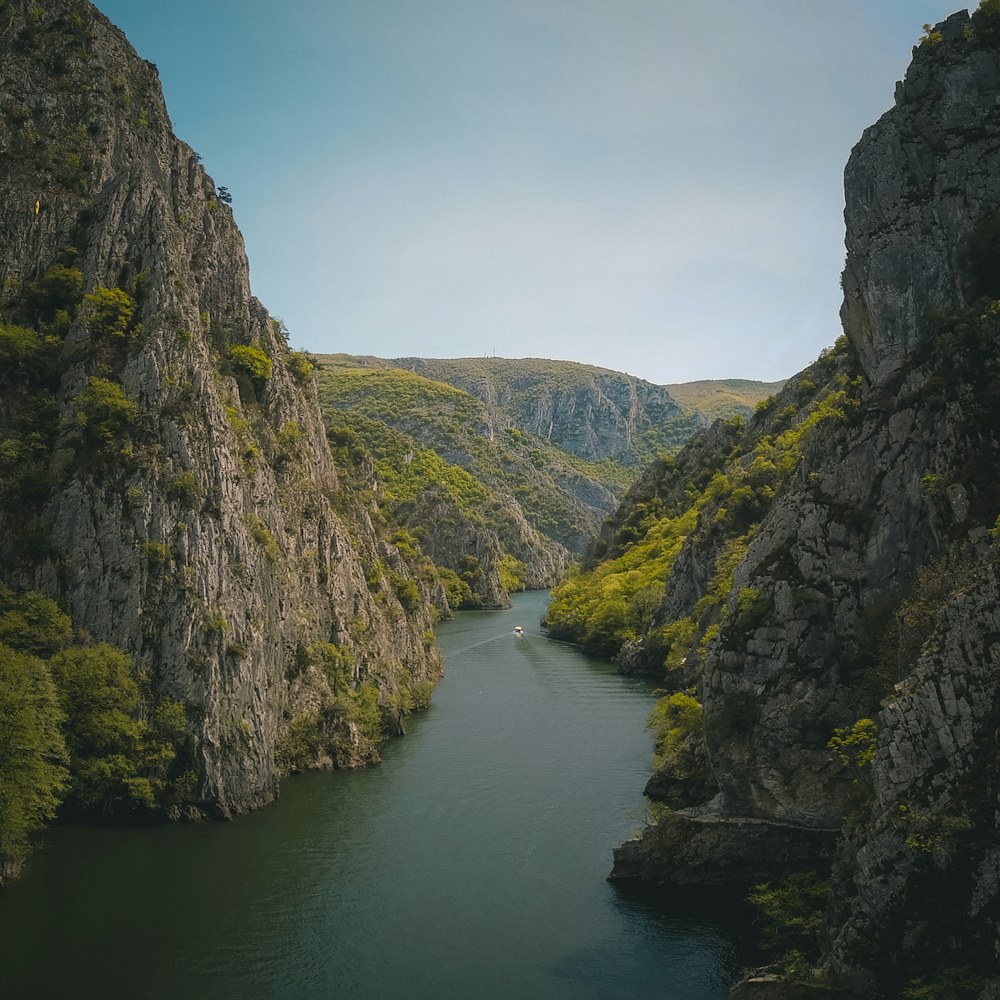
[{"x": 471, "y": 864}]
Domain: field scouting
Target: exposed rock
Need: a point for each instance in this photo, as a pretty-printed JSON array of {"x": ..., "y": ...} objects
[
  {"x": 869, "y": 589},
  {"x": 211, "y": 539},
  {"x": 591, "y": 412},
  {"x": 917, "y": 185},
  {"x": 766, "y": 984}
]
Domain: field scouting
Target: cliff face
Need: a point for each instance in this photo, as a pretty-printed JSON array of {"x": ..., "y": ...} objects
[
  {"x": 922, "y": 191},
  {"x": 184, "y": 506},
  {"x": 494, "y": 516},
  {"x": 868, "y": 590},
  {"x": 591, "y": 412}
]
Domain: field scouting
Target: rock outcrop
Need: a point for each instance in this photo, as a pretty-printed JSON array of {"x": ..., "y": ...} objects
[
  {"x": 592, "y": 412},
  {"x": 868, "y": 590},
  {"x": 184, "y": 505},
  {"x": 922, "y": 191}
]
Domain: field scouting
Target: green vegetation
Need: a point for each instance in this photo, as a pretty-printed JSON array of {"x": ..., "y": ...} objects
[
  {"x": 250, "y": 361},
  {"x": 930, "y": 36},
  {"x": 514, "y": 392},
  {"x": 853, "y": 748},
  {"x": 116, "y": 759},
  {"x": 674, "y": 718},
  {"x": 722, "y": 399},
  {"x": 72, "y": 730},
  {"x": 352, "y": 718},
  {"x": 720, "y": 497},
  {"x": 789, "y": 916},
  {"x": 33, "y": 769},
  {"x": 104, "y": 414},
  {"x": 301, "y": 367},
  {"x": 435, "y": 470},
  {"x": 109, "y": 312}
]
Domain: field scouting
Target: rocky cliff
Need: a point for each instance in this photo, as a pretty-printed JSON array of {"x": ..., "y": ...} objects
[
  {"x": 488, "y": 506},
  {"x": 592, "y": 412},
  {"x": 833, "y": 656},
  {"x": 165, "y": 472},
  {"x": 489, "y": 521}
]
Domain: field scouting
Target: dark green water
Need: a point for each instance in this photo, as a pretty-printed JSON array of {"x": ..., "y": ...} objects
[{"x": 470, "y": 865}]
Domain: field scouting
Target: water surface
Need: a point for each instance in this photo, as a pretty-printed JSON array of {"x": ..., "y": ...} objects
[{"x": 471, "y": 864}]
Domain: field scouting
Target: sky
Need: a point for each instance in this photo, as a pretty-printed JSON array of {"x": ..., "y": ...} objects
[{"x": 653, "y": 186}]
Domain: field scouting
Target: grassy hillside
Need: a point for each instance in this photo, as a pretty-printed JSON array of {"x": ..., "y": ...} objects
[
  {"x": 594, "y": 413},
  {"x": 725, "y": 398},
  {"x": 456, "y": 455},
  {"x": 716, "y": 489}
]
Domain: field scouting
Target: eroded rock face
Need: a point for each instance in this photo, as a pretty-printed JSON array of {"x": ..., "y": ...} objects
[
  {"x": 591, "y": 412},
  {"x": 926, "y": 854},
  {"x": 917, "y": 185},
  {"x": 211, "y": 539},
  {"x": 869, "y": 589}
]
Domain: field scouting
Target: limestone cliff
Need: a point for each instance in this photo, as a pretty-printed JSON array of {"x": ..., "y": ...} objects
[
  {"x": 177, "y": 494},
  {"x": 865, "y": 588},
  {"x": 592, "y": 412}
]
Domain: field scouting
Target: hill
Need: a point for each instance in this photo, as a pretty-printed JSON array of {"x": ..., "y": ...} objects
[
  {"x": 720, "y": 399},
  {"x": 593, "y": 413},
  {"x": 504, "y": 511}
]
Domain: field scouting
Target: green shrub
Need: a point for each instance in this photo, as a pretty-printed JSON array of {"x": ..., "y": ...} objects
[
  {"x": 360, "y": 706},
  {"x": 673, "y": 719},
  {"x": 260, "y": 533},
  {"x": 511, "y": 572},
  {"x": 185, "y": 490},
  {"x": 456, "y": 589},
  {"x": 407, "y": 592},
  {"x": 156, "y": 554},
  {"x": 853, "y": 748},
  {"x": 109, "y": 312},
  {"x": 104, "y": 412},
  {"x": 109, "y": 747},
  {"x": 250, "y": 361},
  {"x": 301, "y": 368},
  {"x": 59, "y": 288},
  {"x": 32, "y": 623},
  {"x": 790, "y": 912},
  {"x": 930, "y": 37}
]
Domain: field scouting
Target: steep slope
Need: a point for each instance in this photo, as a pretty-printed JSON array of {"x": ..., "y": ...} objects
[
  {"x": 833, "y": 657},
  {"x": 592, "y": 412},
  {"x": 533, "y": 486},
  {"x": 470, "y": 523},
  {"x": 504, "y": 512},
  {"x": 165, "y": 472}
]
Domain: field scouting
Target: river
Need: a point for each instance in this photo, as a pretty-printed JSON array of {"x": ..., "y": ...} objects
[{"x": 470, "y": 865}]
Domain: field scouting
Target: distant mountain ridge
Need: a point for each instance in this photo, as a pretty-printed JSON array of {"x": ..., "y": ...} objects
[
  {"x": 503, "y": 512},
  {"x": 503, "y": 469},
  {"x": 596, "y": 413},
  {"x": 722, "y": 398}
]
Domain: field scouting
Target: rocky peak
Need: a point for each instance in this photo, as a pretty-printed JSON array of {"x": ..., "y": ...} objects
[
  {"x": 922, "y": 189},
  {"x": 183, "y": 501}
]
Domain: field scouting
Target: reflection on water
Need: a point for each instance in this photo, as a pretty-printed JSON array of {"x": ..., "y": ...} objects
[{"x": 471, "y": 864}]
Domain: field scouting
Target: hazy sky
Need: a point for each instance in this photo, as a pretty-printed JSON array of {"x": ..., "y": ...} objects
[{"x": 650, "y": 185}]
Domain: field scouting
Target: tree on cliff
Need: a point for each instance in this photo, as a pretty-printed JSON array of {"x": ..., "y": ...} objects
[{"x": 32, "y": 754}]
